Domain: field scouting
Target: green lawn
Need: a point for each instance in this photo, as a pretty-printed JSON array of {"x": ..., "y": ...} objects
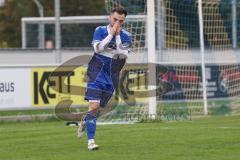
[{"x": 216, "y": 138}]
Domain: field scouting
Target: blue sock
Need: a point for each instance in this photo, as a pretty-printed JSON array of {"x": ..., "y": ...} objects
[{"x": 90, "y": 123}]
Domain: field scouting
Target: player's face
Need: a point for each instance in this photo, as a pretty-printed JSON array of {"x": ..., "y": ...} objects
[{"x": 117, "y": 18}]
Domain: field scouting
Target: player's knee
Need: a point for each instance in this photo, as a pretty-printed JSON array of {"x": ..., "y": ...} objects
[
  {"x": 91, "y": 115},
  {"x": 94, "y": 106}
]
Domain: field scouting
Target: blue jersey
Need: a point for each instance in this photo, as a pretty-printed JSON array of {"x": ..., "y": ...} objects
[{"x": 103, "y": 70}]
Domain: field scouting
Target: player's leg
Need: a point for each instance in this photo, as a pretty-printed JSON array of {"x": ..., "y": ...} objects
[
  {"x": 93, "y": 93},
  {"x": 90, "y": 123},
  {"x": 91, "y": 118},
  {"x": 93, "y": 96}
]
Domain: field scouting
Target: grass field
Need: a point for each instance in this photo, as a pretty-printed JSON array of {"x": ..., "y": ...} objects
[{"x": 216, "y": 138}]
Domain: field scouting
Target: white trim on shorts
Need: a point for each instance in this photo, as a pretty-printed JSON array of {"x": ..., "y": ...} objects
[{"x": 95, "y": 100}]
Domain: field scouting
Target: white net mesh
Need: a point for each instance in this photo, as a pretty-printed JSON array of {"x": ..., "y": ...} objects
[
  {"x": 178, "y": 39},
  {"x": 179, "y": 85},
  {"x": 214, "y": 27},
  {"x": 181, "y": 44},
  {"x": 178, "y": 50}
]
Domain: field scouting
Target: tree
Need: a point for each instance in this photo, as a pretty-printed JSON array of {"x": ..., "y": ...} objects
[
  {"x": 10, "y": 21},
  {"x": 13, "y": 10}
]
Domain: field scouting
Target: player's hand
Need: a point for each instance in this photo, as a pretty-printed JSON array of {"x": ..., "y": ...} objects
[
  {"x": 118, "y": 26},
  {"x": 112, "y": 30}
]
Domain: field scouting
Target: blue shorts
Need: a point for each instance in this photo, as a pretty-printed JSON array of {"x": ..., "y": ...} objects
[{"x": 103, "y": 77}]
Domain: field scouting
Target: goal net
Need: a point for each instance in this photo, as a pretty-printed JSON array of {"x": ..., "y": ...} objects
[
  {"x": 178, "y": 52},
  {"x": 178, "y": 76}
]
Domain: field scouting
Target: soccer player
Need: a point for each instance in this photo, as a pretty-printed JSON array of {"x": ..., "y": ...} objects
[{"x": 111, "y": 45}]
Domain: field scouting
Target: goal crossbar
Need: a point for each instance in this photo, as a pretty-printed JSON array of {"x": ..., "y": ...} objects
[
  {"x": 69, "y": 20},
  {"x": 78, "y": 19}
]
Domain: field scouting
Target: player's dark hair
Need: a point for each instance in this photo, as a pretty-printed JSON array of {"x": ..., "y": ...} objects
[{"x": 120, "y": 11}]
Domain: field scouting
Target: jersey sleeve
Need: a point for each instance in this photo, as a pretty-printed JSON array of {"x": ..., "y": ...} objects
[{"x": 97, "y": 36}]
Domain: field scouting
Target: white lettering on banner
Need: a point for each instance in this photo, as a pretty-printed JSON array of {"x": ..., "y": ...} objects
[{"x": 15, "y": 87}]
